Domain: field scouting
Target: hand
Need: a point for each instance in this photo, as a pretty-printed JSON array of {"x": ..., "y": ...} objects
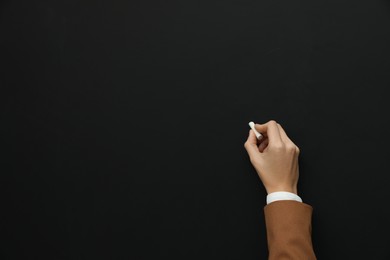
[{"x": 275, "y": 157}]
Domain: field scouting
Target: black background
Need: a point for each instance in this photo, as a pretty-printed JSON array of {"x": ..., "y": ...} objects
[{"x": 123, "y": 124}]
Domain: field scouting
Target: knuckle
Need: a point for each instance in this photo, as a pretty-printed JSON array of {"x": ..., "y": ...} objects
[
  {"x": 291, "y": 148},
  {"x": 272, "y": 122},
  {"x": 297, "y": 149},
  {"x": 247, "y": 144},
  {"x": 278, "y": 146}
]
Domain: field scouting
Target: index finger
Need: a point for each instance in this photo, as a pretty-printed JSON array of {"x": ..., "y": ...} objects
[{"x": 271, "y": 129}]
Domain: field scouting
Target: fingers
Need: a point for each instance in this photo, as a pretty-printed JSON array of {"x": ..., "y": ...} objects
[
  {"x": 275, "y": 134},
  {"x": 263, "y": 145},
  {"x": 271, "y": 130},
  {"x": 251, "y": 144}
]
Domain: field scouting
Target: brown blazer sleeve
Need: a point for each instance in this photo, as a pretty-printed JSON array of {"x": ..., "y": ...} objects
[{"x": 288, "y": 225}]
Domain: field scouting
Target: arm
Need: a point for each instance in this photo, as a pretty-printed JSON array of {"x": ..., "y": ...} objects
[
  {"x": 288, "y": 225},
  {"x": 288, "y": 222}
]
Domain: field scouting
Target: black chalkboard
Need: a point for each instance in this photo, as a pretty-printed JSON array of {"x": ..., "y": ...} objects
[{"x": 123, "y": 124}]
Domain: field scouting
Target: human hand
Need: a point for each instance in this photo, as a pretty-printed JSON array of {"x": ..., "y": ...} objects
[{"x": 275, "y": 157}]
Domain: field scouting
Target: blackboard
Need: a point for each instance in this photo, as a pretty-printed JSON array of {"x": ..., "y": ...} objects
[{"x": 123, "y": 124}]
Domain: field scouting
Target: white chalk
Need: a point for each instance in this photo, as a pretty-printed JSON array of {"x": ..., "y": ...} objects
[{"x": 258, "y": 135}]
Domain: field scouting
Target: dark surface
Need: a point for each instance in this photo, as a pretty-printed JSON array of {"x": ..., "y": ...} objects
[{"x": 123, "y": 123}]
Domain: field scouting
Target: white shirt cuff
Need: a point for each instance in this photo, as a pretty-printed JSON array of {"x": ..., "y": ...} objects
[{"x": 282, "y": 195}]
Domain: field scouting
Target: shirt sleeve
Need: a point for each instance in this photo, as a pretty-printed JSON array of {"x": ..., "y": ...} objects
[{"x": 282, "y": 195}]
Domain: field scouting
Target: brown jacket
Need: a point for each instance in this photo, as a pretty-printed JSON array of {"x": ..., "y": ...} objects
[{"x": 288, "y": 225}]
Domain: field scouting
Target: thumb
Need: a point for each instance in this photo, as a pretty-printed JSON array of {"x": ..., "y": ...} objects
[{"x": 251, "y": 145}]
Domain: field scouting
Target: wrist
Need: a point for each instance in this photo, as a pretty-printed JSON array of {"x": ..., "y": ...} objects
[{"x": 282, "y": 188}]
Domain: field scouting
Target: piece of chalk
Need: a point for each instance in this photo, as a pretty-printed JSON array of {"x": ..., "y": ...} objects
[{"x": 258, "y": 135}]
